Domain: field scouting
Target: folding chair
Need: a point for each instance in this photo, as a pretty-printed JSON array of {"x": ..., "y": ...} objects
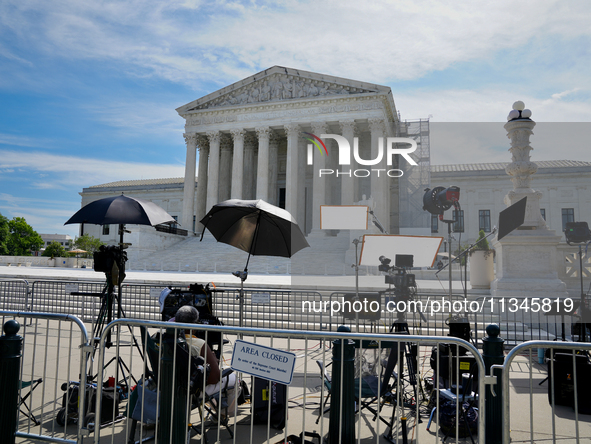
[
  {"x": 151, "y": 348},
  {"x": 22, "y": 401},
  {"x": 216, "y": 403},
  {"x": 369, "y": 391},
  {"x": 327, "y": 381},
  {"x": 190, "y": 376}
]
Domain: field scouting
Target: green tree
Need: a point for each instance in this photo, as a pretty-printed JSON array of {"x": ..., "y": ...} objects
[
  {"x": 55, "y": 249},
  {"x": 88, "y": 243},
  {"x": 22, "y": 239},
  {"x": 4, "y": 232}
]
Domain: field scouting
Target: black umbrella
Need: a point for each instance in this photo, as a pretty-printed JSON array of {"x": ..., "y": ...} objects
[
  {"x": 254, "y": 226},
  {"x": 121, "y": 210}
]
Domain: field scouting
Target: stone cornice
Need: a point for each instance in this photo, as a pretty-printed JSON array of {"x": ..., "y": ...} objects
[{"x": 306, "y": 110}]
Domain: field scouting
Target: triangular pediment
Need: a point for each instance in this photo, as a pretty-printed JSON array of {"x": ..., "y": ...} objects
[{"x": 278, "y": 84}]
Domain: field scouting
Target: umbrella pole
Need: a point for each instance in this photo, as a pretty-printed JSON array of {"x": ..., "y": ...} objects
[
  {"x": 244, "y": 275},
  {"x": 241, "y": 303}
]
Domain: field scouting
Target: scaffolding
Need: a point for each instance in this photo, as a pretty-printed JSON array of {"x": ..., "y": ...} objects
[{"x": 416, "y": 178}]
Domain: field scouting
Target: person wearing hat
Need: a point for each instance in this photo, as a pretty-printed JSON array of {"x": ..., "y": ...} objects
[{"x": 188, "y": 314}]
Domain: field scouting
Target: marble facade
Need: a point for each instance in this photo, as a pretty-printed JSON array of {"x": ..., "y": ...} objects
[{"x": 251, "y": 145}]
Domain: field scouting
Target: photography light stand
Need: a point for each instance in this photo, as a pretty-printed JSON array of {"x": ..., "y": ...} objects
[
  {"x": 582, "y": 304},
  {"x": 579, "y": 233},
  {"x": 404, "y": 351},
  {"x": 437, "y": 201},
  {"x": 356, "y": 242}
]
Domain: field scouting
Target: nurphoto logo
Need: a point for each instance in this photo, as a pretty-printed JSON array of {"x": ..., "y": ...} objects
[{"x": 345, "y": 155}]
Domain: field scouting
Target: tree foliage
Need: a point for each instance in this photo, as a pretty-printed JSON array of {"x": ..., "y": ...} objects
[
  {"x": 4, "y": 232},
  {"x": 88, "y": 243},
  {"x": 55, "y": 249},
  {"x": 20, "y": 240}
]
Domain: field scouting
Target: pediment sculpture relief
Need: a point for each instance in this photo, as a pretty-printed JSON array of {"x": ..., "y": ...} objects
[{"x": 280, "y": 87}]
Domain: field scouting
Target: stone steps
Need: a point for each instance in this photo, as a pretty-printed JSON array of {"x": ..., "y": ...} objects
[{"x": 326, "y": 256}]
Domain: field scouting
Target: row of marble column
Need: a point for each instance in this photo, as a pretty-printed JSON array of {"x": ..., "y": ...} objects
[{"x": 228, "y": 161}]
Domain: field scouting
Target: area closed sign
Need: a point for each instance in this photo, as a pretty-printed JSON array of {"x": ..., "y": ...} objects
[{"x": 264, "y": 362}]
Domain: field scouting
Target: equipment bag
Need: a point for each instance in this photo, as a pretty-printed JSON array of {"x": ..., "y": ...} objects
[
  {"x": 467, "y": 419},
  {"x": 260, "y": 403},
  {"x": 562, "y": 381}
]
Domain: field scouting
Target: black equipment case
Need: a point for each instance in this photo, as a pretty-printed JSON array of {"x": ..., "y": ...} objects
[
  {"x": 260, "y": 403},
  {"x": 562, "y": 378}
]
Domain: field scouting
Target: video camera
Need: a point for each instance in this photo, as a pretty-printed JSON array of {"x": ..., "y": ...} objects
[
  {"x": 107, "y": 256},
  {"x": 397, "y": 275}
]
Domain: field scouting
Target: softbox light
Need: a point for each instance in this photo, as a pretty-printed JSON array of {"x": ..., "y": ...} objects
[{"x": 511, "y": 218}]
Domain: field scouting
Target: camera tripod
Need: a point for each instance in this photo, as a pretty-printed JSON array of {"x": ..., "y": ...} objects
[
  {"x": 404, "y": 353},
  {"x": 115, "y": 274}
]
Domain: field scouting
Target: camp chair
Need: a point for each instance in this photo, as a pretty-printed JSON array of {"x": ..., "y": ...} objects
[
  {"x": 190, "y": 375},
  {"x": 216, "y": 404},
  {"x": 29, "y": 387},
  {"x": 371, "y": 389},
  {"x": 152, "y": 353}
]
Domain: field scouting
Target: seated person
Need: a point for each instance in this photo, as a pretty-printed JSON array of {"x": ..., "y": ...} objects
[{"x": 188, "y": 314}]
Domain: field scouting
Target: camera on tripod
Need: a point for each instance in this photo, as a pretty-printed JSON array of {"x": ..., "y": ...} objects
[
  {"x": 397, "y": 275},
  {"x": 107, "y": 256}
]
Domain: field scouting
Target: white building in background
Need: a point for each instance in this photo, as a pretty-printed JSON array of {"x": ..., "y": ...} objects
[
  {"x": 253, "y": 142},
  {"x": 565, "y": 186},
  {"x": 65, "y": 240},
  {"x": 252, "y": 138}
]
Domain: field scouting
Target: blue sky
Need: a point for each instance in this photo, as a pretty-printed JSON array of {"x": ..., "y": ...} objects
[{"x": 88, "y": 90}]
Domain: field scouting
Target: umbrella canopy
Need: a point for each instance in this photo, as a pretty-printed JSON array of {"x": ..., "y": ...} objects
[
  {"x": 121, "y": 210},
  {"x": 255, "y": 226},
  {"x": 77, "y": 251}
]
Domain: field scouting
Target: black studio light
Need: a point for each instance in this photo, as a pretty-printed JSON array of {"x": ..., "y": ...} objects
[
  {"x": 577, "y": 232},
  {"x": 439, "y": 199}
]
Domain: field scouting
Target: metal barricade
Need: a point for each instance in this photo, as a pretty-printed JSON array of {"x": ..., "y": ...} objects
[
  {"x": 160, "y": 385},
  {"x": 57, "y": 297},
  {"x": 540, "y": 415},
  {"x": 14, "y": 295},
  {"x": 54, "y": 356},
  {"x": 426, "y": 314},
  {"x": 525, "y": 319},
  {"x": 272, "y": 308}
]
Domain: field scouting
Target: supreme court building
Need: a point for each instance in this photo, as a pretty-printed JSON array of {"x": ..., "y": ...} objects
[{"x": 253, "y": 137}]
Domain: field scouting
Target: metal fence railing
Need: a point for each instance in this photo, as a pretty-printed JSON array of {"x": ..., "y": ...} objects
[
  {"x": 527, "y": 319},
  {"x": 14, "y": 295},
  {"x": 521, "y": 319},
  {"x": 408, "y": 405},
  {"x": 546, "y": 387},
  {"x": 54, "y": 352},
  {"x": 545, "y": 396}
]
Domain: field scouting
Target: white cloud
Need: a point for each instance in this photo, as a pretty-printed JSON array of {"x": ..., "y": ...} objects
[
  {"x": 376, "y": 41},
  {"x": 71, "y": 172},
  {"x": 472, "y": 142},
  {"x": 25, "y": 141},
  {"x": 562, "y": 94},
  {"x": 489, "y": 105},
  {"x": 135, "y": 116}
]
